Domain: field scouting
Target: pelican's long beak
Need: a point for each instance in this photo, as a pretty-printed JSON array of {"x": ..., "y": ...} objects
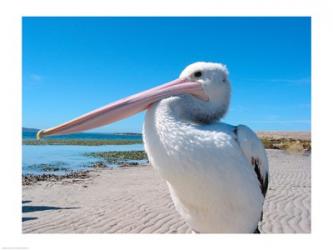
[{"x": 126, "y": 107}]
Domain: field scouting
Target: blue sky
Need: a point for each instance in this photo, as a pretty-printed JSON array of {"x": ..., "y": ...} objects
[{"x": 74, "y": 65}]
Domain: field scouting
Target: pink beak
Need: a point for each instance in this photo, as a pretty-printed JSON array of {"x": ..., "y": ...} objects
[{"x": 126, "y": 107}]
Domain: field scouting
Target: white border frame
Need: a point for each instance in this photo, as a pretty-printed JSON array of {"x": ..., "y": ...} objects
[{"x": 11, "y": 13}]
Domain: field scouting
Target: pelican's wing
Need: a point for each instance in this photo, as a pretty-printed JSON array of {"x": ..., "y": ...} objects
[{"x": 254, "y": 151}]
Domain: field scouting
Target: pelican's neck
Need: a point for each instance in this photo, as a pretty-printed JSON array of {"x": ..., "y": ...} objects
[
  {"x": 171, "y": 120},
  {"x": 173, "y": 115},
  {"x": 166, "y": 119},
  {"x": 164, "y": 132},
  {"x": 190, "y": 110}
]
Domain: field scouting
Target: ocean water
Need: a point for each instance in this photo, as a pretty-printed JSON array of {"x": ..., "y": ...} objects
[
  {"x": 87, "y": 136},
  {"x": 61, "y": 159}
]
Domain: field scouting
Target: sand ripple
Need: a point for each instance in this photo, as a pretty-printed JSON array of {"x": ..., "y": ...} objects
[{"x": 136, "y": 200}]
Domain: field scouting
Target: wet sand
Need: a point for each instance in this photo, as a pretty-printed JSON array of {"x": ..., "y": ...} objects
[{"x": 136, "y": 200}]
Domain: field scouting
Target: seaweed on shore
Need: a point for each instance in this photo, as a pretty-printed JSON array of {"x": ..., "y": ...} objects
[
  {"x": 98, "y": 165},
  {"x": 120, "y": 157},
  {"x": 288, "y": 144},
  {"x": 50, "y": 167},
  {"x": 31, "y": 179}
]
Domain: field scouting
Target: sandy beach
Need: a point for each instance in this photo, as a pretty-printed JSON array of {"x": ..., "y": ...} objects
[
  {"x": 136, "y": 200},
  {"x": 285, "y": 134}
]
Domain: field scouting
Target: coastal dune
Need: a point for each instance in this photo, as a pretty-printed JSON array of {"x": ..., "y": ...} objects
[{"x": 136, "y": 200}]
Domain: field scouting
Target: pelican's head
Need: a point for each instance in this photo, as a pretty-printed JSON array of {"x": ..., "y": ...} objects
[
  {"x": 213, "y": 78},
  {"x": 205, "y": 84}
]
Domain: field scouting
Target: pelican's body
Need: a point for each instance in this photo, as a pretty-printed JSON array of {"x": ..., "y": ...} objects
[
  {"x": 212, "y": 183},
  {"x": 217, "y": 173}
]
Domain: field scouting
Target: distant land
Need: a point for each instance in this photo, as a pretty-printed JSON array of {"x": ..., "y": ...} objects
[
  {"x": 271, "y": 139},
  {"x": 35, "y": 130},
  {"x": 305, "y": 135},
  {"x": 298, "y": 135}
]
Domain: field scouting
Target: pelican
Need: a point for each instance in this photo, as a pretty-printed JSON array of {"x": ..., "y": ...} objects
[{"x": 217, "y": 174}]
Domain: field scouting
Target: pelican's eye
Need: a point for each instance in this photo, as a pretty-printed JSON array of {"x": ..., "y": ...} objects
[{"x": 197, "y": 74}]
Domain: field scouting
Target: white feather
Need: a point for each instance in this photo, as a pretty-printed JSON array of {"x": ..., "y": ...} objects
[
  {"x": 211, "y": 181},
  {"x": 214, "y": 171}
]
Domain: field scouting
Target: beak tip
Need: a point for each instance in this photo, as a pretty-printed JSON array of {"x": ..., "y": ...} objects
[{"x": 40, "y": 134}]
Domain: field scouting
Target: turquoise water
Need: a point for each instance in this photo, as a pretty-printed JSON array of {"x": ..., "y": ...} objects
[
  {"x": 87, "y": 136},
  {"x": 61, "y": 159}
]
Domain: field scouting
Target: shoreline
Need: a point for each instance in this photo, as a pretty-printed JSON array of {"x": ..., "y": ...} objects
[
  {"x": 290, "y": 142},
  {"x": 263, "y": 135},
  {"x": 30, "y": 179},
  {"x": 136, "y": 200},
  {"x": 109, "y": 157}
]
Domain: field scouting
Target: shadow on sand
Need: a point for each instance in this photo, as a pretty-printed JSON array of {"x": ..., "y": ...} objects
[
  {"x": 29, "y": 209},
  {"x": 28, "y": 218}
]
